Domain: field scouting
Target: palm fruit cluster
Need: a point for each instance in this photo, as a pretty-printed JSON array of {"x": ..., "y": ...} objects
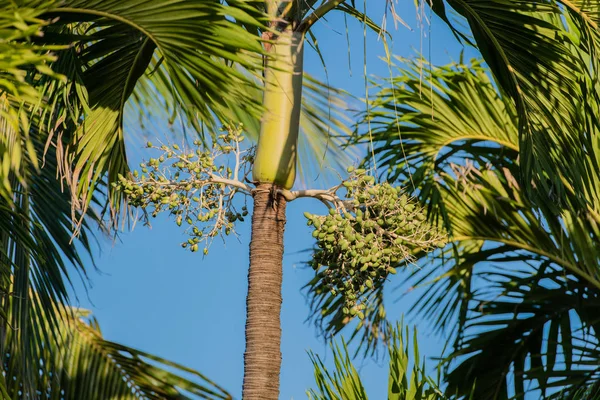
[
  {"x": 188, "y": 185},
  {"x": 365, "y": 237}
]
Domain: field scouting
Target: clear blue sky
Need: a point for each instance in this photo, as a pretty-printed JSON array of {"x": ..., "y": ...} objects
[{"x": 154, "y": 296}]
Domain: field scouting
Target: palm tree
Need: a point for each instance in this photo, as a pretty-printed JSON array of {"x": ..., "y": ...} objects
[
  {"x": 101, "y": 53},
  {"x": 274, "y": 167},
  {"x": 188, "y": 54},
  {"x": 518, "y": 289}
]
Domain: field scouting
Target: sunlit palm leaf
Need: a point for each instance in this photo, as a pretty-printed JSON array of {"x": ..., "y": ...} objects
[
  {"x": 324, "y": 124},
  {"x": 19, "y": 58}
]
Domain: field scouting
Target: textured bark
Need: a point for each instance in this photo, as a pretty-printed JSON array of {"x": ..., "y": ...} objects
[{"x": 262, "y": 359}]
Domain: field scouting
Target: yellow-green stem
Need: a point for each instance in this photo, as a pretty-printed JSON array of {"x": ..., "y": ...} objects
[{"x": 276, "y": 153}]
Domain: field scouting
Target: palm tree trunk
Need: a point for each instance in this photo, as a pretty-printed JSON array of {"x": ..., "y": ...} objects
[
  {"x": 274, "y": 168},
  {"x": 262, "y": 359}
]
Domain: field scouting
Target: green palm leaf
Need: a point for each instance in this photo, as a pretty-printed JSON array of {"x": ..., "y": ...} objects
[
  {"x": 37, "y": 254},
  {"x": 540, "y": 53},
  {"x": 475, "y": 189}
]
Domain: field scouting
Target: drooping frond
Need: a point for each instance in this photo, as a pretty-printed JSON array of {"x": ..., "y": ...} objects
[
  {"x": 37, "y": 253},
  {"x": 473, "y": 185}
]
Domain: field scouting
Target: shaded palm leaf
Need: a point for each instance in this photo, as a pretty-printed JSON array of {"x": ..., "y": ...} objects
[
  {"x": 37, "y": 253},
  {"x": 509, "y": 307},
  {"x": 541, "y": 54}
]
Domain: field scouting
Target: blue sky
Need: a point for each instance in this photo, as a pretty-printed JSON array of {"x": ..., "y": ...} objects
[{"x": 152, "y": 295}]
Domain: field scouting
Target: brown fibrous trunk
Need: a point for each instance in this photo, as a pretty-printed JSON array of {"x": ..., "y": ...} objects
[{"x": 262, "y": 359}]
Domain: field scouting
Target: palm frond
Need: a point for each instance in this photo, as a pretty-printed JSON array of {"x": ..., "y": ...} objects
[
  {"x": 480, "y": 199},
  {"x": 37, "y": 254}
]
